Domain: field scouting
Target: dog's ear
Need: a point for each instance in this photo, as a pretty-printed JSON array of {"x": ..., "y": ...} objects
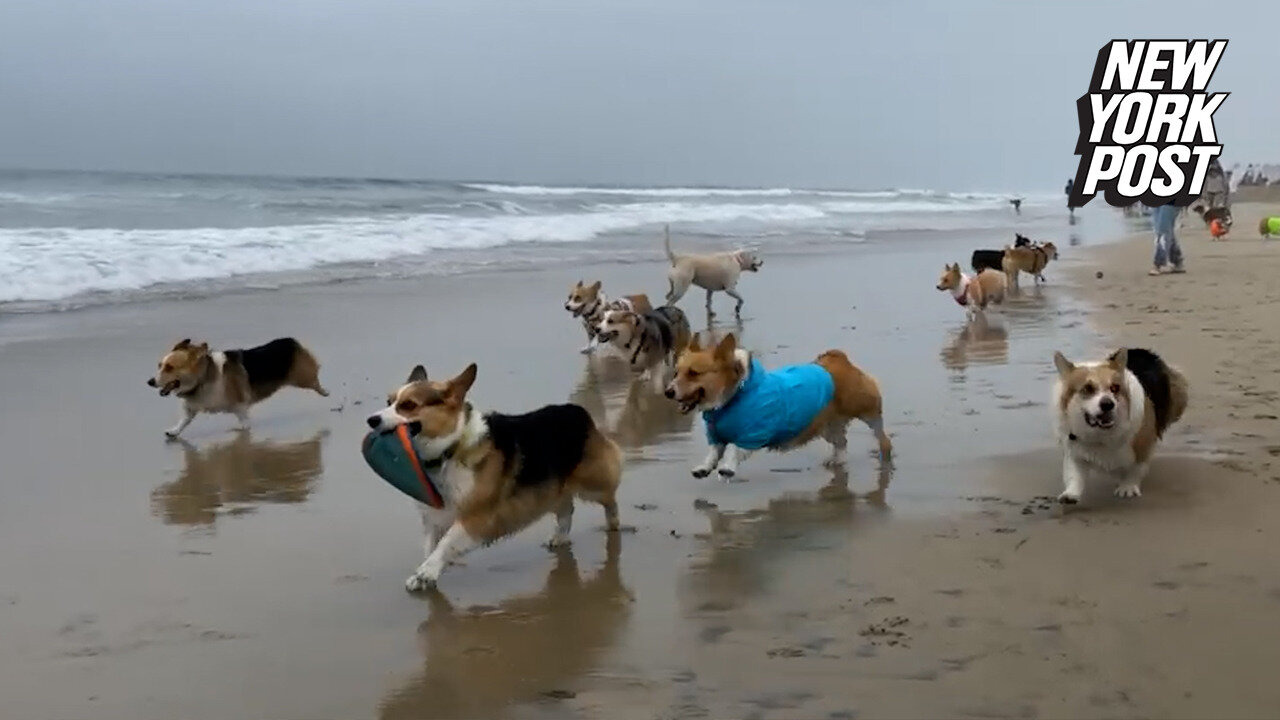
[
  {"x": 417, "y": 374},
  {"x": 726, "y": 347},
  {"x": 1119, "y": 359},
  {"x": 595, "y": 286},
  {"x": 694, "y": 345},
  {"x": 203, "y": 348},
  {"x": 461, "y": 384},
  {"x": 183, "y": 344},
  {"x": 1063, "y": 364}
]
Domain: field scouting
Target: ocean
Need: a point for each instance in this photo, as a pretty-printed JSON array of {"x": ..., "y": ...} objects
[{"x": 73, "y": 239}]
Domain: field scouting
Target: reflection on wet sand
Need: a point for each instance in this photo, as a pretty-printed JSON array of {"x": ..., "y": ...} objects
[
  {"x": 627, "y": 408},
  {"x": 482, "y": 660},
  {"x": 982, "y": 340},
  {"x": 647, "y": 418},
  {"x": 713, "y": 334},
  {"x": 239, "y": 471},
  {"x": 746, "y": 550},
  {"x": 603, "y": 375}
]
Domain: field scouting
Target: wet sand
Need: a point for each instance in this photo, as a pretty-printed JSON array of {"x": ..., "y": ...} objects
[{"x": 260, "y": 574}]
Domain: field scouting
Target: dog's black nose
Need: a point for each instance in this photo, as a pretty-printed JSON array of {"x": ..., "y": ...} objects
[
  {"x": 1107, "y": 405},
  {"x": 151, "y": 382},
  {"x": 374, "y": 421},
  {"x": 671, "y": 394}
]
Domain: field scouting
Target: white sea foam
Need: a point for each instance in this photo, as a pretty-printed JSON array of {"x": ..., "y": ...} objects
[
  {"x": 634, "y": 192},
  {"x": 50, "y": 264}
]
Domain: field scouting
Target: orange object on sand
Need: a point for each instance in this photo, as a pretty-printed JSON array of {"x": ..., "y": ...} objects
[{"x": 1217, "y": 229}]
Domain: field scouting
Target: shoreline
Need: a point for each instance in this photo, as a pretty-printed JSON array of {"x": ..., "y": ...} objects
[{"x": 949, "y": 587}]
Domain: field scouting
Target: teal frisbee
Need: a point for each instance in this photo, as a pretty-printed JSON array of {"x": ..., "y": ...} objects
[{"x": 392, "y": 456}]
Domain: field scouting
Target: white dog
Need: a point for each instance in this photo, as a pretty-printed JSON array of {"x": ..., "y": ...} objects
[{"x": 719, "y": 271}]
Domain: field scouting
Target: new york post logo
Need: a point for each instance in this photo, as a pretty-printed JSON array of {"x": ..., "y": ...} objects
[{"x": 1146, "y": 124}]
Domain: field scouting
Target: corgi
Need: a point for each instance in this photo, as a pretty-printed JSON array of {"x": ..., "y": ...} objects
[
  {"x": 1269, "y": 227},
  {"x": 232, "y": 381},
  {"x": 994, "y": 259},
  {"x": 497, "y": 473},
  {"x": 651, "y": 340},
  {"x": 1110, "y": 415},
  {"x": 747, "y": 408},
  {"x": 973, "y": 292},
  {"x": 1031, "y": 259},
  {"x": 590, "y": 303}
]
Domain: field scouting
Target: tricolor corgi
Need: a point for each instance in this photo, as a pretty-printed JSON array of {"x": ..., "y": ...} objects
[
  {"x": 497, "y": 474},
  {"x": 232, "y": 381},
  {"x": 747, "y": 408},
  {"x": 1109, "y": 416},
  {"x": 651, "y": 341}
]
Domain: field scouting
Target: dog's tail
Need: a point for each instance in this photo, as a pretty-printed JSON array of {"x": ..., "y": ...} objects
[
  {"x": 666, "y": 244},
  {"x": 304, "y": 370}
]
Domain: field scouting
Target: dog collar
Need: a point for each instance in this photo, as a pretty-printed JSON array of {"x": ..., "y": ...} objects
[{"x": 961, "y": 294}]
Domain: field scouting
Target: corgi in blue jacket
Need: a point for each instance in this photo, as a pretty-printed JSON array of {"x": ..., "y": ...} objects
[{"x": 748, "y": 408}]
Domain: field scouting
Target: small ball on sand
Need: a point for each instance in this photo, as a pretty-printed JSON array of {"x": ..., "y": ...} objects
[{"x": 1098, "y": 275}]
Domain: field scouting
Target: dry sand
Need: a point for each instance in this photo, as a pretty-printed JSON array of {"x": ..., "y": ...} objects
[{"x": 259, "y": 575}]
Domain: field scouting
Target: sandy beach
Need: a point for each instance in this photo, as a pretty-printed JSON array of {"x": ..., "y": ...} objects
[{"x": 259, "y": 574}]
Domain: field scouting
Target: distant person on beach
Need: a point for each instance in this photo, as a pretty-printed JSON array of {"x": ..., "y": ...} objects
[
  {"x": 1217, "y": 190},
  {"x": 1017, "y": 205},
  {"x": 1070, "y": 184},
  {"x": 1168, "y": 256}
]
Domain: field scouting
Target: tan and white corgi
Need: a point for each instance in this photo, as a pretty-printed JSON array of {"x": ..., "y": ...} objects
[
  {"x": 1110, "y": 415},
  {"x": 747, "y": 408},
  {"x": 590, "y": 303},
  {"x": 498, "y": 473},
  {"x": 973, "y": 293},
  {"x": 1031, "y": 259},
  {"x": 232, "y": 381}
]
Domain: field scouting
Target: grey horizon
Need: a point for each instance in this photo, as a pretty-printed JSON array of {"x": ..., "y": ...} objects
[{"x": 973, "y": 95}]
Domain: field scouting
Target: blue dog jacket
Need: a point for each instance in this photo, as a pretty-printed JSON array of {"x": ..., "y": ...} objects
[{"x": 771, "y": 407}]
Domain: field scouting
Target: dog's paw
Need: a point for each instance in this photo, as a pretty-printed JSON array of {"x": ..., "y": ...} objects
[
  {"x": 1068, "y": 498},
  {"x": 701, "y": 471},
  {"x": 727, "y": 473},
  {"x": 1128, "y": 490},
  {"x": 835, "y": 461},
  {"x": 172, "y": 433},
  {"x": 419, "y": 582},
  {"x": 558, "y": 541},
  {"x": 587, "y": 350}
]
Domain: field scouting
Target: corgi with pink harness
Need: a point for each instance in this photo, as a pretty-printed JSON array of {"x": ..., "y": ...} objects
[{"x": 973, "y": 292}]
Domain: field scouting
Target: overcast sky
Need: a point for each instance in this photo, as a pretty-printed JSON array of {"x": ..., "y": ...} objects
[{"x": 951, "y": 94}]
